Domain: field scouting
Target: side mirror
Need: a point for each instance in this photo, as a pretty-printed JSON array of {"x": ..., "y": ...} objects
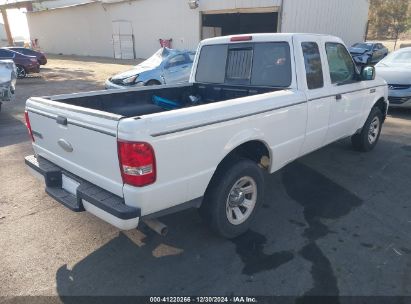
[{"x": 368, "y": 73}]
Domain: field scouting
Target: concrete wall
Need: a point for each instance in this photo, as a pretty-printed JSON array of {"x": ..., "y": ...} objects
[
  {"x": 87, "y": 29},
  {"x": 155, "y": 19},
  {"x": 81, "y": 30},
  {"x": 3, "y": 36},
  {"x": 346, "y": 19}
]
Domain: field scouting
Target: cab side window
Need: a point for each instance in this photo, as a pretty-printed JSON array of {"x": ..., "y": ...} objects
[
  {"x": 313, "y": 65},
  {"x": 342, "y": 68},
  {"x": 176, "y": 61}
]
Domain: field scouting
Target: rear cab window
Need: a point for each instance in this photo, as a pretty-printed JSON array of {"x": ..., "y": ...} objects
[{"x": 266, "y": 64}]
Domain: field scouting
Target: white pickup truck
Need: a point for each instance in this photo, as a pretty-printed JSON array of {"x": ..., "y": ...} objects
[{"x": 254, "y": 103}]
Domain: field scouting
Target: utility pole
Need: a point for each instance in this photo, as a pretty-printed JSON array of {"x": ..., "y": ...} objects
[{"x": 7, "y": 26}]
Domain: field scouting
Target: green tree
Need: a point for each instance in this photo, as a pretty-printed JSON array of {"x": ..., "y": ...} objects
[{"x": 390, "y": 18}]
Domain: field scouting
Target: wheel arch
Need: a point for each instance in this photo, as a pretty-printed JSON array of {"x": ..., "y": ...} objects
[
  {"x": 21, "y": 66},
  {"x": 382, "y": 104},
  {"x": 153, "y": 80},
  {"x": 254, "y": 149}
]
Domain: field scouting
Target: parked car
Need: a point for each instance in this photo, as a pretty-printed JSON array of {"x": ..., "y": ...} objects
[
  {"x": 166, "y": 66},
  {"x": 41, "y": 57},
  {"x": 8, "y": 76},
  {"x": 396, "y": 70},
  {"x": 366, "y": 53},
  {"x": 254, "y": 104},
  {"x": 24, "y": 64}
]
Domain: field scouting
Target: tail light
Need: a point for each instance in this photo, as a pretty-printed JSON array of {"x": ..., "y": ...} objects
[
  {"x": 26, "y": 116},
  {"x": 137, "y": 163}
]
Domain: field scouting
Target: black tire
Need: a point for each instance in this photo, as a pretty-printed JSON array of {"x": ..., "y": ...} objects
[
  {"x": 21, "y": 72},
  {"x": 368, "y": 138},
  {"x": 152, "y": 83},
  {"x": 215, "y": 208}
]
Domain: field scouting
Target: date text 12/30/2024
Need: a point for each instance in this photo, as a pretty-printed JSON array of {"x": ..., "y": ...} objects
[{"x": 234, "y": 299}]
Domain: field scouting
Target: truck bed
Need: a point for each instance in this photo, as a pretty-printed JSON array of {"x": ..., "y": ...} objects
[{"x": 140, "y": 102}]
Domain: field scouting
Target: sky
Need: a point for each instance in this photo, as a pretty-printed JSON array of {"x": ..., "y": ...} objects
[{"x": 18, "y": 23}]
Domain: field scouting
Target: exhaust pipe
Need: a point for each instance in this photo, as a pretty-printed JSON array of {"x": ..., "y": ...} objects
[{"x": 157, "y": 226}]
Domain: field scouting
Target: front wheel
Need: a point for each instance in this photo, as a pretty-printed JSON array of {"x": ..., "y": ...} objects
[
  {"x": 368, "y": 138},
  {"x": 21, "y": 72},
  {"x": 233, "y": 197}
]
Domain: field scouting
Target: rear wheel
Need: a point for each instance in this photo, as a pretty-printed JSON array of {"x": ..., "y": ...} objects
[
  {"x": 21, "y": 72},
  {"x": 368, "y": 138},
  {"x": 233, "y": 197}
]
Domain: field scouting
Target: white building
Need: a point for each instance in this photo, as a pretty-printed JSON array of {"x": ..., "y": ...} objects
[
  {"x": 3, "y": 36},
  {"x": 132, "y": 28}
]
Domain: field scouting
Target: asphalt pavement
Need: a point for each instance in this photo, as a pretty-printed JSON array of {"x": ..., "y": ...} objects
[{"x": 336, "y": 222}]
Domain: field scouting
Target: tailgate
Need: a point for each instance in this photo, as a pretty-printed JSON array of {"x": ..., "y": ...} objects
[{"x": 79, "y": 140}]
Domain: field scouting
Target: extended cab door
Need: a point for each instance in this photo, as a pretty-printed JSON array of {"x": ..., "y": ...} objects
[
  {"x": 349, "y": 93},
  {"x": 311, "y": 81}
]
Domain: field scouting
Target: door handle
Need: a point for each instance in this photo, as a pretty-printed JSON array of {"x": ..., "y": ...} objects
[
  {"x": 61, "y": 120},
  {"x": 338, "y": 97}
]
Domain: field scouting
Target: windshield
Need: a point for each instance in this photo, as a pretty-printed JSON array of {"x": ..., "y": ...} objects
[
  {"x": 154, "y": 60},
  {"x": 403, "y": 57},
  {"x": 367, "y": 46},
  {"x": 258, "y": 64}
]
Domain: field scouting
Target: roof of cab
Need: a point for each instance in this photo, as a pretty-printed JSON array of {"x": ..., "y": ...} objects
[{"x": 262, "y": 37}]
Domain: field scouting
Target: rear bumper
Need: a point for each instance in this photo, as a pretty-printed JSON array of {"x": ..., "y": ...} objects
[{"x": 103, "y": 204}]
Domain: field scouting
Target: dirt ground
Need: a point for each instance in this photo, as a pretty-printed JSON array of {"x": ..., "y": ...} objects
[
  {"x": 334, "y": 223},
  {"x": 67, "y": 74}
]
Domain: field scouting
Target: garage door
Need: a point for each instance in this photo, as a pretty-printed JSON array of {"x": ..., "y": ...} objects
[{"x": 232, "y": 23}]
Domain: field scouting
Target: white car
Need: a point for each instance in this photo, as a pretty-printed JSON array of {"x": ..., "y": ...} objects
[
  {"x": 396, "y": 70},
  {"x": 166, "y": 66},
  {"x": 254, "y": 104},
  {"x": 8, "y": 77}
]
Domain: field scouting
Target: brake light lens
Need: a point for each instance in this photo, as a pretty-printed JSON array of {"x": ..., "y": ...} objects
[
  {"x": 241, "y": 38},
  {"x": 137, "y": 163},
  {"x": 26, "y": 116}
]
